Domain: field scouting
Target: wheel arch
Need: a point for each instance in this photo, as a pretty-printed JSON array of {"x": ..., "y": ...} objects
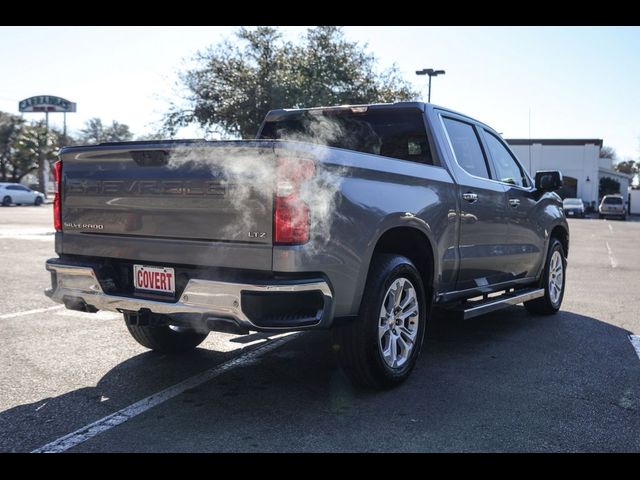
[
  {"x": 561, "y": 233},
  {"x": 413, "y": 243}
]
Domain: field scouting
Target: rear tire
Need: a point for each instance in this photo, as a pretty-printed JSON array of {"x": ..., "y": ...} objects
[
  {"x": 6, "y": 201},
  {"x": 165, "y": 339},
  {"x": 38, "y": 201},
  {"x": 379, "y": 349},
  {"x": 553, "y": 282}
]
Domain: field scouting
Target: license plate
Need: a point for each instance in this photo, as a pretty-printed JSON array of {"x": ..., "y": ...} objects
[
  {"x": 154, "y": 279},
  {"x": 570, "y": 213}
]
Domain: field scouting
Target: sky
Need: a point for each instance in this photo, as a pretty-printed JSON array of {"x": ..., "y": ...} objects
[{"x": 538, "y": 82}]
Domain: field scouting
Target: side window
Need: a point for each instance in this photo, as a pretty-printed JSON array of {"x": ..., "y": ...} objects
[
  {"x": 507, "y": 169},
  {"x": 22, "y": 188},
  {"x": 466, "y": 147},
  {"x": 12, "y": 187}
]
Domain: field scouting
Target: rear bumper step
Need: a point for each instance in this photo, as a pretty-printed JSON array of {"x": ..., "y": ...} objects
[
  {"x": 284, "y": 305},
  {"x": 469, "y": 309}
]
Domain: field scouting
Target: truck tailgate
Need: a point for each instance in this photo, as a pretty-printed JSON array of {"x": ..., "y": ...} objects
[{"x": 157, "y": 196}]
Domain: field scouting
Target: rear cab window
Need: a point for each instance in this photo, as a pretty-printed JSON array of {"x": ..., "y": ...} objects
[
  {"x": 399, "y": 133},
  {"x": 613, "y": 200}
]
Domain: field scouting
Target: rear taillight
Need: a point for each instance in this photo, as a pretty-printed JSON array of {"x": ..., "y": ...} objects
[
  {"x": 291, "y": 213},
  {"x": 57, "y": 211}
]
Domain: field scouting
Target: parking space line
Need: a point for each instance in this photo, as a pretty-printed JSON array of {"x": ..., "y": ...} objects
[
  {"x": 121, "y": 416},
  {"x": 635, "y": 341},
  {"x": 610, "y": 227},
  {"x": 6, "y": 316},
  {"x": 612, "y": 259}
]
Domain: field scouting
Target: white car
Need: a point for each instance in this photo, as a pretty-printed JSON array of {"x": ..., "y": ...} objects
[
  {"x": 573, "y": 207},
  {"x": 19, "y": 194},
  {"x": 612, "y": 206}
]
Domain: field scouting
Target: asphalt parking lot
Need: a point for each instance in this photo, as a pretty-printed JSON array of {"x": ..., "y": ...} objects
[{"x": 507, "y": 381}]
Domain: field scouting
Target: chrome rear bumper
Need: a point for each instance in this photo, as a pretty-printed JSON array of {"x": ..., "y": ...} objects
[{"x": 201, "y": 299}]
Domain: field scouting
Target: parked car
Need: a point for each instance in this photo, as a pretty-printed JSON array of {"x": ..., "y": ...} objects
[
  {"x": 573, "y": 207},
  {"x": 612, "y": 206},
  {"x": 15, "y": 193},
  {"x": 361, "y": 219}
]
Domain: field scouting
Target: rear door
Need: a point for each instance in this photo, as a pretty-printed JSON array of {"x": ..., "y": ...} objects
[
  {"x": 525, "y": 232},
  {"x": 483, "y": 216},
  {"x": 27, "y": 194}
]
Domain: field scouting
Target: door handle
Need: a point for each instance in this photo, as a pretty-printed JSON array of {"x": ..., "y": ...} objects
[
  {"x": 514, "y": 202},
  {"x": 470, "y": 197}
]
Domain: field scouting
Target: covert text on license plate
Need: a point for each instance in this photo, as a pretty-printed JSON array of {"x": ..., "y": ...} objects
[{"x": 154, "y": 279}]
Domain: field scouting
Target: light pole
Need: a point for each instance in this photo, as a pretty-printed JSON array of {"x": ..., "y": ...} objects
[{"x": 432, "y": 73}]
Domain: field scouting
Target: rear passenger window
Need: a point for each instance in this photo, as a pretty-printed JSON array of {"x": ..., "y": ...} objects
[
  {"x": 466, "y": 147},
  {"x": 507, "y": 169}
]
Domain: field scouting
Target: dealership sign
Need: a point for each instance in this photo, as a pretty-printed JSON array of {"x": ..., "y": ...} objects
[{"x": 46, "y": 103}]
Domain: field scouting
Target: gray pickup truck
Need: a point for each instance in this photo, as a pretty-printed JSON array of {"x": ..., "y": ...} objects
[{"x": 362, "y": 219}]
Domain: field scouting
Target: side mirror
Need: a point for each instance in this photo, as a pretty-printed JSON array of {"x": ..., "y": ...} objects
[{"x": 548, "y": 180}]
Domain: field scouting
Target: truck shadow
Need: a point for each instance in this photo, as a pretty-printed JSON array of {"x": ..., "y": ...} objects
[{"x": 503, "y": 382}]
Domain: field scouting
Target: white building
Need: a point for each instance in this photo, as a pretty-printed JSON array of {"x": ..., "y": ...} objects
[
  {"x": 634, "y": 202},
  {"x": 578, "y": 160}
]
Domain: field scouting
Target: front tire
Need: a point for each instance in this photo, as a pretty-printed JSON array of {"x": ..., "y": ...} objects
[
  {"x": 6, "y": 201},
  {"x": 553, "y": 281},
  {"x": 380, "y": 348},
  {"x": 165, "y": 338},
  {"x": 38, "y": 201}
]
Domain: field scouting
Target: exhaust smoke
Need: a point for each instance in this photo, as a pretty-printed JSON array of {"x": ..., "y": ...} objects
[{"x": 247, "y": 171}]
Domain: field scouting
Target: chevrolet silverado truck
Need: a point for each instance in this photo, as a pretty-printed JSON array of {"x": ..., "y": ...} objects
[{"x": 361, "y": 219}]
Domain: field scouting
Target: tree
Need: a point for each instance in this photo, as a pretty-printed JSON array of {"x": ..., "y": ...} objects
[
  {"x": 150, "y": 136},
  {"x": 330, "y": 70},
  {"x": 118, "y": 132},
  {"x": 236, "y": 83},
  {"x": 35, "y": 149},
  {"x": 10, "y": 129},
  {"x": 608, "y": 186},
  {"x": 608, "y": 152},
  {"x": 628, "y": 166},
  {"x": 95, "y": 132}
]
